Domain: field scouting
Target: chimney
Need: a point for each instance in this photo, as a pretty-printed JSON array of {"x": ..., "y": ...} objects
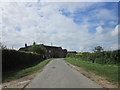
[{"x": 25, "y": 44}]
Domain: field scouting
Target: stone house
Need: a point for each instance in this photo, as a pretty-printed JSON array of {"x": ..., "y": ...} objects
[{"x": 51, "y": 51}]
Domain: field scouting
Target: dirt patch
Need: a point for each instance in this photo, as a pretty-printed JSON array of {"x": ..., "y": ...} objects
[
  {"x": 20, "y": 83},
  {"x": 98, "y": 79}
]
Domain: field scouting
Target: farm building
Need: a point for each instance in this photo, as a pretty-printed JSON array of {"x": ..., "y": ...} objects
[
  {"x": 51, "y": 51},
  {"x": 73, "y": 52}
]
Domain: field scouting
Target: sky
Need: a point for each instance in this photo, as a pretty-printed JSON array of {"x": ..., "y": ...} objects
[{"x": 79, "y": 26}]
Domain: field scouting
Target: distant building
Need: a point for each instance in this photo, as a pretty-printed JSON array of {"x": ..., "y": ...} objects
[
  {"x": 51, "y": 51},
  {"x": 74, "y": 52},
  {"x": 64, "y": 52}
]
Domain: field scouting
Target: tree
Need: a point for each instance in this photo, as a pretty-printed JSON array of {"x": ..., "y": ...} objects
[
  {"x": 25, "y": 44},
  {"x": 98, "y": 49},
  {"x": 2, "y": 46},
  {"x": 39, "y": 49},
  {"x": 34, "y": 43}
]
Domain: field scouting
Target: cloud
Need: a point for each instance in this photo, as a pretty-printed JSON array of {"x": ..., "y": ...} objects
[
  {"x": 99, "y": 29},
  {"x": 103, "y": 14},
  {"x": 113, "y": 22},
  {"x": 60, "y": 0},
  {"x": 44, "y": 23},
  {"x": 115, "y": 31}
]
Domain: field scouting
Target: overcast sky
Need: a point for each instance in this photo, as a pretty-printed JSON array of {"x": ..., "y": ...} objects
[{"x": 72, "y": 25}]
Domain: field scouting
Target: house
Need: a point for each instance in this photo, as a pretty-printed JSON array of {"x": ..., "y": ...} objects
[
  {"x": 51, "y": 51},
  {"x": 64, "y": 52}
]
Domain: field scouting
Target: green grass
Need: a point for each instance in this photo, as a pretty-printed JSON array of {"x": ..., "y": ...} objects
[
  {"x": 12, "y": 75},
  {"x": 108, "y": 71}
]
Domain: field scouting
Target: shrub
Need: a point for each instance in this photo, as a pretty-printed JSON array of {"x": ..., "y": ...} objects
[
  {"x": 105, "y": 57},
  {"x": 40, "y": 49},
  {"x": 12, "y": 59}
]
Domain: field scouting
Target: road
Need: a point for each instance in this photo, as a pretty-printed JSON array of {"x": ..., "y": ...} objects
[{"x": 57, "y": 74}]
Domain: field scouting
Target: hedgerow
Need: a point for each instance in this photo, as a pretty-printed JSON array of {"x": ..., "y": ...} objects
[
  {"x": 104, "y": 57},
  {"x": 12, "y": 59}
]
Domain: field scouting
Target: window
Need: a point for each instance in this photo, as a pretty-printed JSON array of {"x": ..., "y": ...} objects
[{"x": 49, "y": 51}]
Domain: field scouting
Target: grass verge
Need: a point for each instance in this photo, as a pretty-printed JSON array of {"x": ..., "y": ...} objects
[
  {"x": 108, "y": 71},
  {"x": 12, "y": 75}
]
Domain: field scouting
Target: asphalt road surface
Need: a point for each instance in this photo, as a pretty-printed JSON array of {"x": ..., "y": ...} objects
[{"x": 57, "y": 74}]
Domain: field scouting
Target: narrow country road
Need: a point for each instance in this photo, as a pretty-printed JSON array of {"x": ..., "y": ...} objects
[{"x": 57, "y": 74}]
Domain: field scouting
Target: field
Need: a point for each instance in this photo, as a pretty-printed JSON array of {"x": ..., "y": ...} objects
[{"x": 110, "y": 71}]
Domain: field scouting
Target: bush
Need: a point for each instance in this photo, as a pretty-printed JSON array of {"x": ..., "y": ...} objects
[
  {"x": 12, "y": 59},
  {"x": 105, "y": 57}
]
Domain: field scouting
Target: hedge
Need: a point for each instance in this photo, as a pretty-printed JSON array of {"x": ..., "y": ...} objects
[
  {"x": 105, "y": 57},
  {"x": 12, "y": 59}
]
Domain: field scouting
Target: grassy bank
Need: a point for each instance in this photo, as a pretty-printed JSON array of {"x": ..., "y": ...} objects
[
  {"x": 108, "y": 71},
  {"x": 12, "y": 75}
]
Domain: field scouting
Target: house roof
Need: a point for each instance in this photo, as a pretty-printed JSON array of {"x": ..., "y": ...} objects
[{"x": 39, "y": 44}]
